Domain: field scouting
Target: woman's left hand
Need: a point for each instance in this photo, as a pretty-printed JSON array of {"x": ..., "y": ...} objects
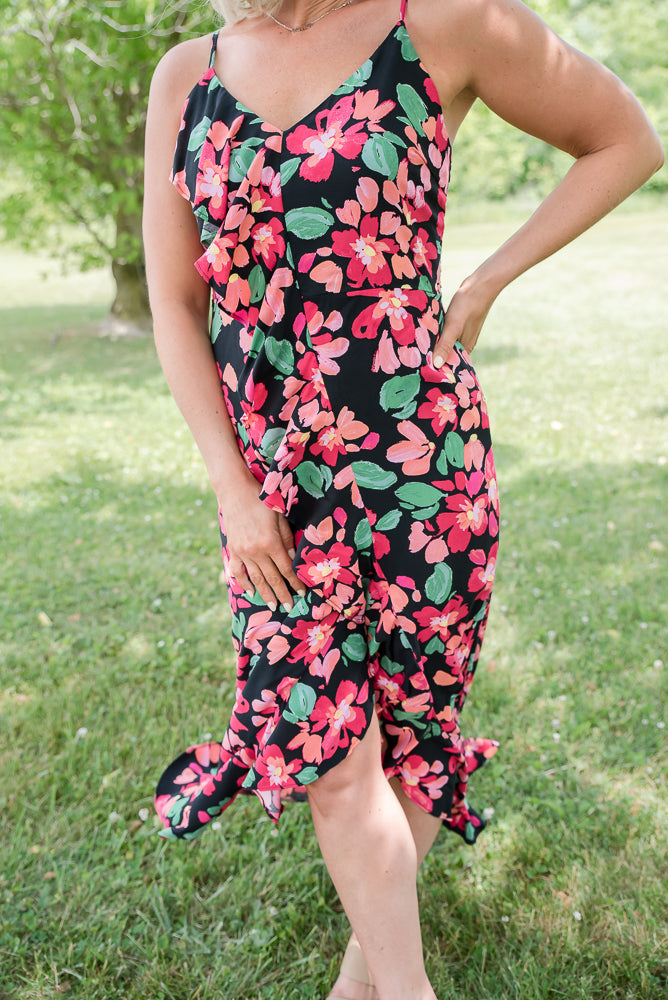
[{"x": 464, "y": 318}]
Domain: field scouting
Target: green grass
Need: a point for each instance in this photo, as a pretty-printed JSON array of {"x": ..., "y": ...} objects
[{"x": 116, "y": 654}]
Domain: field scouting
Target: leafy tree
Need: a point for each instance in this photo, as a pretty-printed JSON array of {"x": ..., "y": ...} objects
[{"x": 74, "y": 82}]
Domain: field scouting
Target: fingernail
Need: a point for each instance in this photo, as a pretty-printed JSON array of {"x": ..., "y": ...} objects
[
  {"x": 292, "y": 553},
  {"x": 438, "y": 361},
  {"x": 286, "y": 607},
  {"x": 271, "y": 606},
  {"x": 250, "y": 592},
  {"x": 302, "y": 593}
]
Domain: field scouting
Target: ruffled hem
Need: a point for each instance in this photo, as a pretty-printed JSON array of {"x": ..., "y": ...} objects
[{"x": 200, "y": 785}]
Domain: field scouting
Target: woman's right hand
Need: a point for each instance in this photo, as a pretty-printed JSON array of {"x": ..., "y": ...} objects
[{"x": 260, "y": 544}]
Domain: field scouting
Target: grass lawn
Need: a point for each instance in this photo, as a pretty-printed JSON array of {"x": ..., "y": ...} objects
[{"x": 115, "y": 654}]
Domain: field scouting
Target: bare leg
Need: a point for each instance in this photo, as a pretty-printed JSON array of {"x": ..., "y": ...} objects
[
  {"x": 424, "y": 829},
  {"x": 368, "y": 847}
]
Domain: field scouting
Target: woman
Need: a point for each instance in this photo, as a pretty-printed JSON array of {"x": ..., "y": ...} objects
[{"x": 342, "y": 425}]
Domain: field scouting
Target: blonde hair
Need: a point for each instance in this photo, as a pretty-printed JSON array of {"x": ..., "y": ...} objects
[{"x": 238, "y": 10}]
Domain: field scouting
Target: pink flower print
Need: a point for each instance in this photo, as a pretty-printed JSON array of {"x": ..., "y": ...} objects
[
  {"x": 367, "y": 108},
  {"x": 435, "y": 622},
  {"x": 415, "y": 452},
  {"x": 391, "y": 306},
  {"x": 272, "y": 766},
  {"x": 481, "y": 580},
  {"x": 441, "y": 410},
  {"x": 340, "y": 716},
  {"x": 310, "y": 743},
  {"x": 324, "y": 666},
  {"x": 435, "y": 548},
  {"x": 324, "y": 569},
  {"x": 179, "y": 182},
  {"x": 212, "y": 184},
  {"x": 326, "y": 139},
  {"x": 423, "y": 251},
  {"x": 315, "y": 636},
  {"x": 464, "y": 518},
  {"x": 366, "y": 253},
  {"x": 268, "y": 242}
]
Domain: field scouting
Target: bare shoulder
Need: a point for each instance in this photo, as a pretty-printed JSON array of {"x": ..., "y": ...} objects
[{"x": 179, "y": 70}]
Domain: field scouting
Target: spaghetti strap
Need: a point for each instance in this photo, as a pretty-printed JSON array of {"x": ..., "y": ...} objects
[
  {"x": 214, "y": 44},
  {"x": 402, "y": 12}
]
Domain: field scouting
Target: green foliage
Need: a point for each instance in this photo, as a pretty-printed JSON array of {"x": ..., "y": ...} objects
[
  {"x": 74, "y": 81},
  {"x": 493, "y": 160}
]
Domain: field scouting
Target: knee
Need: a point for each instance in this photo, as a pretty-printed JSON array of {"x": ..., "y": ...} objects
[{"x": 350, "y": 784}]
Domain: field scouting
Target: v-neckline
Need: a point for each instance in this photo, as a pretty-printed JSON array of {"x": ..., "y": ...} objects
[{"x": 314, "y": 111}]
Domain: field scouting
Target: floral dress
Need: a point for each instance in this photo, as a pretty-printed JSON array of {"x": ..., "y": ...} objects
[{"x": 321, "y": 245}]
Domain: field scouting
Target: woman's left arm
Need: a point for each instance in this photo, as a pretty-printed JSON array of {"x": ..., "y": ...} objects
[{"x": 533, "y": 79}]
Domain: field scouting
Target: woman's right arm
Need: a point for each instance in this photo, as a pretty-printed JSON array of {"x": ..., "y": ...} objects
[{"x": 259, "y": 539}]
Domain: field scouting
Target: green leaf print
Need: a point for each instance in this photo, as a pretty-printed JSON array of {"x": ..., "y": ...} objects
[
  {"x": 270, "y": 442},
  {"x": 199, "y": 134},
  {"x": 280, "y": 354},
  {"x": 435, "y": 645},
  {"x": 454, "y": 449},
  {"x": 257, "y": 342},
  {"x": 388, "y": 521},
  {"x": 310, "y": 477},
  {"x": 439, "y": 584},
  {"x": 363, "y": 536},
  {"x": 354, "y": 647},
  {"x": 418, "y": 495},
  {"x": 240, "y": 161},
  {"x": 442, "y": 462},
  {"x": 300, "y": 703},
  {"x": 358, "y": 79},
  {"x": 413, "y": 105},
  {"x": 289, "y": 168},
  {"x": 380, "y": 155},
  {"x": 307, "y": 775},
  {"x": 258, "y": 283},
  {"x": 407, "y": 48},
  {"x": 308, "y": 223},
  {"x": 424, "y": 512},
  {"x": 390, "y": 667},
  {"x": 399, "y": 393},
  {"x": 216, "y": 325},
  {"x": 372, "y": 477}
]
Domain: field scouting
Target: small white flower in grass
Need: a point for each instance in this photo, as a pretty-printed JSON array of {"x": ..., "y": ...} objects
[
  {"x": 216, "y": 825},
  {"x": 180, "y": 641},
  {"x": 81, "y": 733},
  {"x": 148, "y": 517},
  {"x": 556, "y": 723},
  {"x": 505, "y": 920},
  {"x": 114, "y": 817},
  {"x": 657, "y": 664},
  {"x": 143, "y": 815},
  {"x": 644, "y": 722},
  {"x": 661, "y": 725},
  {"x": 585, "y": 619},
  {"x": 556, "y": 737},
  {"x": 157, "y": 602},
  {"x": 577, "y": 915},
  {"x": 488, "y": 813},
  {"x": 160, "y": 643},
  {"x": 642, "y": 625},
  {"x": 551, "y": 635}
]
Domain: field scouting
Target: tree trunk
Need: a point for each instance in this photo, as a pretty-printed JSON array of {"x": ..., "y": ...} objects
[
  {"x": 131, "y": 300},
  {"x": 130, "y": 314}
]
